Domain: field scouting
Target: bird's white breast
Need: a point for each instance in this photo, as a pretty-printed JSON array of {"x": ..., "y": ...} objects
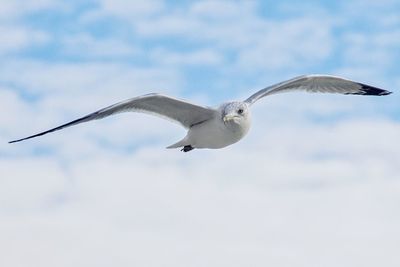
[{"x": 216, "y": 134}]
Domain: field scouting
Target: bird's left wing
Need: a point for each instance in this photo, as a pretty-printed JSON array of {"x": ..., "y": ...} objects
[
  {"x": 180, "y": 111},
  {"x": 318, "y": 84}
]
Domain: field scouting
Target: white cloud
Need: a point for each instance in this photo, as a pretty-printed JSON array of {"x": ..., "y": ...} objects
[
  {"x": 197, "y": 57},
  {"x": 65, "y": 91},
  {"x": 234, "y": 27},
  {"x": 254, "y": 42},
  {"x": 242, "y": 202},
  {"x": 88, "y": 78},
  {"x": 127, "y": 11},
  {"x": 15, "y": 38},
  {"x": 273, "y": 47},
  {"x": 12, "y": 104},
  {"x": 131, "y": 9},
  {"x": 374, "y": 50},
  {"x": 295, "y": 191},
  {"x": 86, "y": 46},
  {"x": 12, "y": 9},
  {"x": 27, "y": 193}
]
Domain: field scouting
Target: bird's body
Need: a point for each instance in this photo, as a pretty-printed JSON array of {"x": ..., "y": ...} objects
[
  {"x": 220, "y": 127},
  {"x": 214, "y": 134}
]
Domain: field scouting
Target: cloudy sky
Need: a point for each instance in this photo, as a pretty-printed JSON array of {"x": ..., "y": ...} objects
[{"x": 315, "y": 183}]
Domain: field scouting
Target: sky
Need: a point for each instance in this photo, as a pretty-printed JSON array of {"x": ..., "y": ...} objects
[{"x": 315, "y": 182}]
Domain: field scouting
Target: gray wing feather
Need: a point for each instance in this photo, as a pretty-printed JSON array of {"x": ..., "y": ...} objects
[
  {"x": 318, "y": 84},
  {"x": 180, "y": 111}
]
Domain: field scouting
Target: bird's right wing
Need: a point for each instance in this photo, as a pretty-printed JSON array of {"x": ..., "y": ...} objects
[{"x": 180, "y": 111}]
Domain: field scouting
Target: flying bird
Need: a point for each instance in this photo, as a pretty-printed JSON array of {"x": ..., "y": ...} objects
[{"x": 225, "y": 125}]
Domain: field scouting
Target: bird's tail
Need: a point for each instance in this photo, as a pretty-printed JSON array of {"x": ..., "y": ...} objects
[{"x": 181, "y": 143}]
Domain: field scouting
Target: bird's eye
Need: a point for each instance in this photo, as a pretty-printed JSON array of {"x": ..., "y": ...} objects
[{"x": 240, "y": 111}]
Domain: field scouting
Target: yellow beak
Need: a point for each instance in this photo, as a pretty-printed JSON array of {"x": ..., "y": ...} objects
[{"x": 229, "y": 117}]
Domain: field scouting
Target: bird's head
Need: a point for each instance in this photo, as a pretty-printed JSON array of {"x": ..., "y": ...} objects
[{"x": 235, "y": 113}]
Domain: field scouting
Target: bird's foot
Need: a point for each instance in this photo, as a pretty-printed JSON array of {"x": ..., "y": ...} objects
[{"x": 187, "y": 148}]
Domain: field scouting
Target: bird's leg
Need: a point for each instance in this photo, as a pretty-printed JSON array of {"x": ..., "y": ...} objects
[{"x": 187, "y": 148}]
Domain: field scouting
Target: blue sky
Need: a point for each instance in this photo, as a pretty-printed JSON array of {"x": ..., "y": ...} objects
[
  {"x": 240, "y": 48},
  {"x": 315, "y": 182}
]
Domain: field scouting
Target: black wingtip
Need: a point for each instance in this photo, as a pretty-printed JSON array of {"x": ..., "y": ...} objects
[
  {"x": 370, "y": 90},
  {"x": 16, "y": 141},
  {"x": 32, "y": 136}
]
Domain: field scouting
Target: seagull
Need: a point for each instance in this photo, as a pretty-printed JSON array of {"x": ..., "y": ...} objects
[{"x": 225, "y": 125}]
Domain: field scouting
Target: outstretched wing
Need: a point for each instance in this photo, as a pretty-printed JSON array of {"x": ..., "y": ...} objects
[
  {"x": 185, "y": 113},
  {"x": 319, "y": 84}
]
